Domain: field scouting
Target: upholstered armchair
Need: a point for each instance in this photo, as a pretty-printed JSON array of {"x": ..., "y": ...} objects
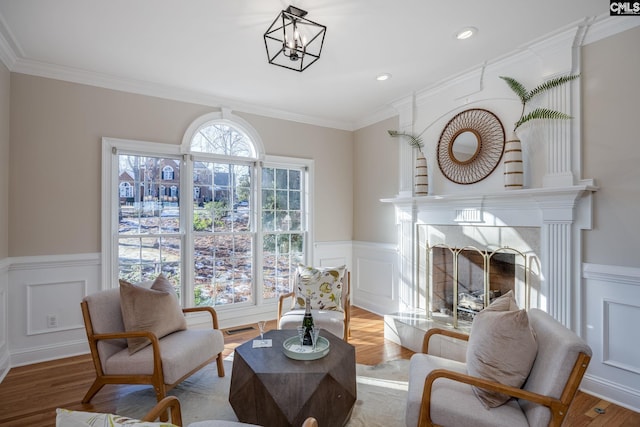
[
  {"x": 442, "y": 391},
  {"x": 329, "y": 292},
  {"x": 155, "y": 346}
]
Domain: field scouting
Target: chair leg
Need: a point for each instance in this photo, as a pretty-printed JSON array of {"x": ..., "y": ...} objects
[
  {"x": 220, "y": 364},
  {"x": 95, "y": 387}
]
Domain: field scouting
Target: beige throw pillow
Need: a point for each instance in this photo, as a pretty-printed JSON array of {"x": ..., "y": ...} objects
[
  {"x": 502, "y": 348},
  {"x": 506, "y": 302},
  {"x": 156, "y": 309}
]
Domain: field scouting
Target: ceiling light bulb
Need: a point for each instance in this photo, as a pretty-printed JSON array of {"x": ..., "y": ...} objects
[
  {"x": 465, "y": 33},
  {"x": 383, "y": 77}
]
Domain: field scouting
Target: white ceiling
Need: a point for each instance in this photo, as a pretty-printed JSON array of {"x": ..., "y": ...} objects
[{"x": 213, "y": 50}]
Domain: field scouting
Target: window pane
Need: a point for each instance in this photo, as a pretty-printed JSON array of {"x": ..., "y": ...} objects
[
  {"x": 294, "y": 179},
  {"x": 223, "y": 269},
  {"x": 282, "y": 253},
  {"x": 223, "y": 245},
  {"x": 222, "y": 139},
  {"x": 149, "y": 218},
  {"x": 283, "y": 250},
  {"x": 143, "y": 258}
]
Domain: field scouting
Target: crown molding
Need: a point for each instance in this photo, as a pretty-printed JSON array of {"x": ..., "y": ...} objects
[
  {"x": 606, "y": 26},
  {"x": 41, "y": 69}
]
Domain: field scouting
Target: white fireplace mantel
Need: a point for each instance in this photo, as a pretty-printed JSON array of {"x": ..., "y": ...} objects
[
  {"x": 513, "y": 208},
  {"x": 559, "y": 212}
]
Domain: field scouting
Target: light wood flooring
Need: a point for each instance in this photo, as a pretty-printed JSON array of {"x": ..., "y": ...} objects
[{"x": 30, "y": 394}]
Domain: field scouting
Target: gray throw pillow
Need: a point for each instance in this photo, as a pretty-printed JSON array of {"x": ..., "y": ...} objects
[{"x": 156, "y": 309}]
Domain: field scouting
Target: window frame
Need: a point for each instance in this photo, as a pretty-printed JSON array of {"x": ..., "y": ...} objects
[{"x": 111, "y": 147}]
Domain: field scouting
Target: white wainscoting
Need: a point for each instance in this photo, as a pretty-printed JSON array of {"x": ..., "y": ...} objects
[
  {"x": 376, "y": 279},
  {"x": 4, "y": 326},
  {"x": 44, "y": 316},
  {"x": 611, "y": 318}
]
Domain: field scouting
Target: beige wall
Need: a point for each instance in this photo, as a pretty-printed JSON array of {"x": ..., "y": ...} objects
[
  {"x": 5, "y": 84},
  {"x": 611, "y": 99},
  {"x": 56, "y": 131},
  {"x": 375, "y": 164}
]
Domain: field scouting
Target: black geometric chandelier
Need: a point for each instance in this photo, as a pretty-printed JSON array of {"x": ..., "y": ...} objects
[{"x": 292, "y": 41}]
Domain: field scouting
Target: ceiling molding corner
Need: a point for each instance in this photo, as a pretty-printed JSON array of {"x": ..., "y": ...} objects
[
  {"x": 7, "y": 55},
  {"x": 606, "y": 26}
]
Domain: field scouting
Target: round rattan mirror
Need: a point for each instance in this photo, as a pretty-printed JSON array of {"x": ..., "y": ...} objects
[{"x": 470, "y": 146}]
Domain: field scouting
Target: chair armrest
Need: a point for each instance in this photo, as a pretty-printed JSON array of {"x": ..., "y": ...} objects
[
  {"x": 155, "y": 344},
  {"x": 425, "y": 409},
  {"x": 281, "y": 299},
  {"x": 170, "y": 403},
  {"x": 210, "y": 310},
  {"x": 438, "y": 331}
]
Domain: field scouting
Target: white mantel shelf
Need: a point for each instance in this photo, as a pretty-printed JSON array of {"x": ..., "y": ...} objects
[
  {"x": 516, "y": 196},
  {"x": 526, "y": 207}
]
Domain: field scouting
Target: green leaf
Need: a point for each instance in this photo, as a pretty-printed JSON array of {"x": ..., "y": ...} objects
[
  {"x": 518, "y": 88},
  {"x": 541, "y": 113},
  {"x": 550, "y": 84},
  {"x": 414, "y": 141}
]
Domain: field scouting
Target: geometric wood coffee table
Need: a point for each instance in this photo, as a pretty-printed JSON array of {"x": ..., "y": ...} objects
[{"x": 270, "y": 389}]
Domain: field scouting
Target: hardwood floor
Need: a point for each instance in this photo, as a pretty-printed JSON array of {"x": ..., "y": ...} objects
[{"x": 30, "y": 394}]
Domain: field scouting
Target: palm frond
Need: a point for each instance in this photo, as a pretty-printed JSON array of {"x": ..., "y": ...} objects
[
  {"x": 414, "y": 141},
  {"x": 517, "y": 87},
  {"x": 541, "y": 113},
  {"x": 550, "y": 84}
]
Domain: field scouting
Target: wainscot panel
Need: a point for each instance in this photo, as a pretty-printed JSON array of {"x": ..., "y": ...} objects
[
  {"x": 375, "y": 282},
  {"x": 612, "y": 316},
  {"x": 44, "y": 294}
]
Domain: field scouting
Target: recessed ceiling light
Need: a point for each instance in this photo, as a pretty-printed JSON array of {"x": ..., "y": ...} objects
[
  {"x": 465, "y": 33},
  {"x": 383, "y": 77}
]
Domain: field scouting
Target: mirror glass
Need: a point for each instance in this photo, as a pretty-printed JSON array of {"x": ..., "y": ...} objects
[{"x": 465, "y": 146}]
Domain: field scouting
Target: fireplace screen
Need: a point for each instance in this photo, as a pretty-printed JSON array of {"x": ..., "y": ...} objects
[{"x": 463, "y": 281}]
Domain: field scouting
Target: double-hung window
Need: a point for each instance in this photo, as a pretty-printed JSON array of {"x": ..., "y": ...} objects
[{"x": 227, "y": 224}]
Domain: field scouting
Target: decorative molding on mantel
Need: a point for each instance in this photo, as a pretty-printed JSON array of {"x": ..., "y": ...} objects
[{"x": 516, "y": 207}]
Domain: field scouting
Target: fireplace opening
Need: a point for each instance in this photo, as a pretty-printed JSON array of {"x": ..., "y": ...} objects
[{"x": 465, "y": 280}]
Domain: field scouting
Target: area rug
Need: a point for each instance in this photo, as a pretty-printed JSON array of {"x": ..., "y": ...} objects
[{"x": 382, "y": 393}]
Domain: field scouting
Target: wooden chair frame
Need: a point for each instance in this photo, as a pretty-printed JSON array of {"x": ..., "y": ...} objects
[
  {"x": 346, "y": 302},
  {"x": 157, "y": 378},
  {"x": 558, "y": 407}
]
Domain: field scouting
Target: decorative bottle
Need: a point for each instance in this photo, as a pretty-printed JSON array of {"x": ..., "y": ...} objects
[{"x": 307, "y": 323}]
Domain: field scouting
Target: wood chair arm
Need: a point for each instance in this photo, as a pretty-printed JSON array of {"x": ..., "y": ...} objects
[
  {"x": 119, "y": 335},
  {"x": 281, "y": 299},
  {"x": 155, "y": 345},
  {"x": 425, "y": 409},
  {"x": 170, "y": 403},
  {"x": 210, "y": 310},
  {"x": 438, "y": 331}
]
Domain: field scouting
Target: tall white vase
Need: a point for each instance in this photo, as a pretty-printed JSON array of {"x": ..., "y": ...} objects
[
  {"x": 421, "y": 182},
  {"x": 513, "y": 170}
]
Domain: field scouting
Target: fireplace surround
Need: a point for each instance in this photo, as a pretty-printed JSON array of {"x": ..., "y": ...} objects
[{"x": 540, "y": 227}]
